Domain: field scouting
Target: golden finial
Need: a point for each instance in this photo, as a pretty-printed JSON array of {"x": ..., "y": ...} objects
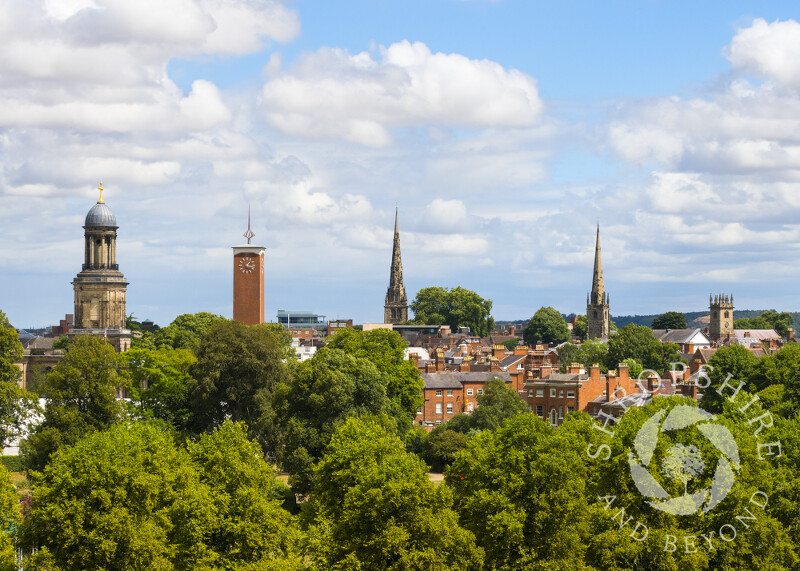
[{"x": 100, "y": 188}]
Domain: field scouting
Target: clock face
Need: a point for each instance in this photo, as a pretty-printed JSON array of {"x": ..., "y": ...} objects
[{"x": 247, "y": 265}]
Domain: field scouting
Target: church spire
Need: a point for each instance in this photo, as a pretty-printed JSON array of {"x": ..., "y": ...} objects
[
  {"x": 597, "y": 316},
  {"x": 396, "y": 307},
  {"x": 597, "y": 279}
]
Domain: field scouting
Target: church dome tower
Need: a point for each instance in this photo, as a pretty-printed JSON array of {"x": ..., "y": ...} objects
[{"x": 100, "y": 287}]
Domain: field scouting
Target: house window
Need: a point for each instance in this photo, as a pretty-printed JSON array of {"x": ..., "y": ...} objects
[
  {"x": 449, "y": 392},
  {"x": 539, "y": 410},
  {"x": 561, "y": 394},
  {"x": 570, "y": 409},
  {"x": 469, "y": 392},
  {"x": 571, "y": 394},
  {"x": 419, "y": 410},
  {"x": 438, "y": 392},
  {"x": 480, "y": 391},
  {"x": 561, "y": 412},
  {"x": 553, "y": 419},
  {"x": 449, "y": 408},
  {"x": 470, "y": 407},
  {"x": 530, "y": 393},
  {"x": 438, "y": 408},
  {"x": 539, "y": 392},
  {"x": 438, "y": 421},
  {"x": 520, "y": 366},
  {"x": 552, "y": 393}
]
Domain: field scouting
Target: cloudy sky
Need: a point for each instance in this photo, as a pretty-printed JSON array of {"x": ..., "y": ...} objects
[{"x": 502, "y": 130}]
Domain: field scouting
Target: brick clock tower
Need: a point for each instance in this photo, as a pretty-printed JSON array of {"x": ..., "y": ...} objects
[{"x": 248, "y": 281}]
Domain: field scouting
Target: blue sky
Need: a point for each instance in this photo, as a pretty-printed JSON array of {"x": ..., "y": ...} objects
[{"x": 503, "y": 131}]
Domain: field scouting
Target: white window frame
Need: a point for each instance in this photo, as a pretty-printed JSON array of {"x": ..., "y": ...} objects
[
  {"x": 469, "y": 392},
  {"x": 438, "y": 408}
]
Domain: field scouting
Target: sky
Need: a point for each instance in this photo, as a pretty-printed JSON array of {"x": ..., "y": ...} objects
[{"x": 502, "y": 131}]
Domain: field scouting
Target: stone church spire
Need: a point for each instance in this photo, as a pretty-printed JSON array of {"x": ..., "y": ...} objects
[
  {"x": 597, "y": 314},
  {"x": 396, "y": 308}
]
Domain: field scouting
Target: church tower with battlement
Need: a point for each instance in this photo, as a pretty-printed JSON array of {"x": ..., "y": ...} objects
[
  {"x": 597, "y": 315},
  {"x": 395, "y": 310},
  {"x": 721, "y": 318}
]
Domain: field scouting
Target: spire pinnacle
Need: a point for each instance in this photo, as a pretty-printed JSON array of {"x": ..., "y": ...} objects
[
  {"x": 249, "y": 233},
  {"x": 100, "y": 188},
  {"x": 597, "y": 278},
  {"x": 396, "y": 308}
]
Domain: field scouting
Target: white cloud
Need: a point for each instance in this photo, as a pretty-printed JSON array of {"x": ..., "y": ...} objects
[
  {"x": 770, "y": 51},
  {"x": 360, "y": 98}
]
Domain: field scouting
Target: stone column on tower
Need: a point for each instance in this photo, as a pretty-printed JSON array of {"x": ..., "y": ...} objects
[{"x": 395, "y": 309}]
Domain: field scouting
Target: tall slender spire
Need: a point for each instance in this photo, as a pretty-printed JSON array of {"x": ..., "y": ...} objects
[
  {"x": 597, "y": 279},
  {"x": 248, "y": 233},
  {"x": 395, "y": 309}
]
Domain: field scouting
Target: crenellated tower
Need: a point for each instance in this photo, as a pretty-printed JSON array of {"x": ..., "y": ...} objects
[
  {"x": 395, "y": 310},
  {"x": 597, "y": 315},
  {"x": 721, "y": 318}
]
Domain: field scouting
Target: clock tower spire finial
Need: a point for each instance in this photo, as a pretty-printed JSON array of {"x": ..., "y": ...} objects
[{"x": 249, "y": 233}]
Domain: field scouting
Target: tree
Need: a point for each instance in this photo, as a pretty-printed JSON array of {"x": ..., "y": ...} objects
[
  {"x": 160, "y": 382},
  {"x": 590, "y": 352},
  {"x": 670, "y": 320},
  {"x": 769, "y": 319},
  {"x": 325, "y": 391},
  {"x": 386, "y": 350},
  {"x": 442, "y": 445},
  {"x": 780, "y": 371},
  {"x": 186, "y": 330},
  {"x": 458, "y": 307},
  {"x": 521, "y": 490},
  {"x": 634, "y": 367},
  {"x": 737, "y": 361},
  {"x": 237, "y": 370},
  {"x": 17, "y": 406},
  {"x": 61, "y": 343},
  {"x": 129, "y": 498},
  {"x": 546, "y": 326},
  {"x": 579, "y": 328},
  {"x": 81, "y": 393},
  {"x": 497, "y": 403},
  {"x": 511, "y": 344},
  {"x": 10, "y": 518},
  {"x": 375, "y": 508},
  {"x": 637, "y": 342}
]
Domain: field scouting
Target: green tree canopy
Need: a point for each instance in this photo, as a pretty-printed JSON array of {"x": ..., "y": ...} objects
[
  {"x": 11, "y": 518},
  {"x": 186, "y": 330},
  {"x": 779, "y": 370},
  {"x": 546, "y": 326},
  {"x": 769, "y": 319},
  {"x": 237, "y": 370},
  {"x": 81, "y": 392},
  {"x": 325, "y": 391},
  {"x": 375, "y": 508},
  {"x": 386, "y": 350},
  {"x": 737, "y": 361},
  {"x": 497, "y": 403},
  {"x": 637, "y": 342},
  {"x": 670, "y": 320},
  {"x": 160, "y": 382},
  {"x": 129, "y": 498},
  {"x": 458, "y": 307},
  {"x": 579, "y": 328},
  {"x": 17, "y": 406}
]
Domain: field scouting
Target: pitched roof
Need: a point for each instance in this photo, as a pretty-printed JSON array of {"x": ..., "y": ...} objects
[
  {"x": 509, "y": 360},
  {"x": 679, "y": 336},
  {"x": 455, "y": 380}
]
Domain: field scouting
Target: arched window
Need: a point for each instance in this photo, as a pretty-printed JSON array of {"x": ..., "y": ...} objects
[
  {"x": 553, "y": 418},
  {"x": 595, "y": 314},
  {"x": 726, "y": 314}
]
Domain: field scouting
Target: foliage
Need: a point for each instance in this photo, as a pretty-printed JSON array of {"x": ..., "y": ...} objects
[
  {"x": 12, "y": 463},
  {"x": 10, "y": 518},
  {"x": 160, "y": 382},
  {"x": 375, "y": 508},
  {"x": 511, "y": 344},
  {"x": 386, "y": 350},
  {"x": 186, "y": 330},
  {"x": 736, "y": 361},
  {"x": 81, "y": 394},
  {"x": 237, "y": 370},
  {"x": 325, "y": 391},
  {"x": 546, "y": 326},
  {"x": 670, "y": 320},
  {"x": 579, "y": 327},
  {"x": 442, "y": 445},
  {"x": 458, "y": 307},
  {"x": 781, "y": 369},
  {"x": 590, "y": 352},
  {"x": 17, "y": 406},
  {"x": 634, "y": 367},
  {"x": 521, "y": 490},
  {"x": 129, "y": 498},
  {"x": 497, "y": 403},
  {"x": 637, "y": 342},
  {"x": 61, "y": 343},
  {"x": 769, "y": 319}
]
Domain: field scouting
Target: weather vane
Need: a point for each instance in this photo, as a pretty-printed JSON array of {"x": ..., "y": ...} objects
[
  {"x": 100, "y": 188},
  {"x": 249, "y": 234}
]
